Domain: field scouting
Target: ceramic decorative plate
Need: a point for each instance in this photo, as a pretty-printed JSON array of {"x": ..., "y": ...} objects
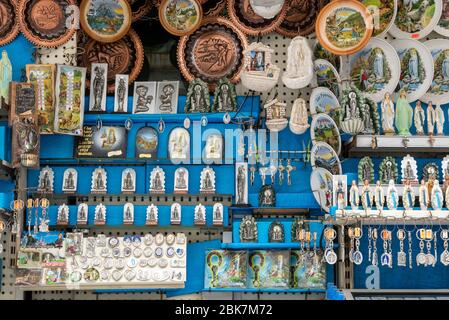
[
  {"x": 324, "y": 129},
  {"x": 442, "y": 26},
  {"x": 322, "y": 100},
  {"x": 321, "y": 186},
  {"x": 438, "y": 92},
  {"x": 416, "y": 68},
  {"x": 383, "y": 12},
  {"x": 140, "y": 8},
  {"x": 320, "y": 53},
  {"x": 344, "y": 27},
  {"x": 375, "y": 69},
  {"x": 415, "y": 19},
  {"x": 212, "y": 52},
  {"x": 123, "y": 57},
  {"x": 9, "y": 27},
  {"x": 45, "y": 22},
  {"x": 323, "y": 156},
  {"x": 244, "y": 17},
  {"x": 327, "y": 76},
  {"x": 300, "y": 17},
  {"x": 212, "y": 8},
  {"x": 105, "y": 20},
  {"x": 180, "y": 17}
]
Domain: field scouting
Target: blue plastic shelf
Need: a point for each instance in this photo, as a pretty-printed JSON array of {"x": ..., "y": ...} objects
[{"x": 264, "y": 290}]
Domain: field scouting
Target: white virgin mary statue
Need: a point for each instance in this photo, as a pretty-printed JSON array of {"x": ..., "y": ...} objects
[
  {"x": 388, "y": 115},
  {"x": 379, "y": 64},
  {"x": 413, "y": 66},
  {"x": 5, "y": 76}
]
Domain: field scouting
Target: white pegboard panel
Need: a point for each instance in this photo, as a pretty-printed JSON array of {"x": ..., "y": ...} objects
[{"x": 64, "y": 54}]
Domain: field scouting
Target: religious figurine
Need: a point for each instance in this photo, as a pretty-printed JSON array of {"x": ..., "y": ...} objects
[
  {"x": 437, "y": 196},
  {"x": 276, "y": 232},
  {"x": 217, "y": 214},
  {"x": 98, "y": 87},
  {"x": 225, "y": 99},
  {"x": 299, "y": 71},
  {"x": 299, "y": 120},
  {"x": 5, "y": 78},
  {"x": 144, "y": 97},
  {"x": 354, "y": 197},
  {"x": 121, "y": 93},
  {"x": 152, "y": 215},
  {"x": 368, "y": 123},
  {"x": 198, "y": 99},
  {"x": 298, "y": 229},
  {"x": 431, "y": 118},
  {"x": 430, "y": 183},
  {"x": 276, "y": 114},
  {"x": 213, "y": 151},
  {"x": 267, "y": 196},
  {"x": 100, "y": 214},
  {"x": 179, "y": 145},
  {"x": 82, "y": 214},
  {"x": 350, "y": 117},
  {"x": 367, "y": 196},
  {"x": 340, "y": 194},
  {"x": 366, "y": 170},
  {"x": 430, "y": 170},
  {"x": 404, "y": 114},
  {"x": 157, "y": 180},
  {"x": 392, "y": 196},
  {"x": 423, "y": 195},
  {"x": 70, "y": 180},
  {"x": 447, "y": 198},
  {"x": 99, "y": 180},
  {"x": 128, "y": 213},
  {"x": 388, "y": 113},
  {"x": 388, "y": 170},
  {"x": 167, "y": 101},
  {"x": 248, "y": 229},
  {"x": 63, "y": 215},
  {"x": 420, "y": 118},
  {"x": 409, "y": 169},
  {"x": 46, "y": 179},
  {"x": 408, "y": 196},
  {"x": 181, "y": 180},
  {"x": 379, "y": 196},
  {"x": 439, "y": 117},
  {"x": 200, "y": 215},
  {"x": 128, "y": 181},
  {"x": 241, "y": 183},
  {"x": 175, "y": 213},
  {"x": 207, "y": 180}
]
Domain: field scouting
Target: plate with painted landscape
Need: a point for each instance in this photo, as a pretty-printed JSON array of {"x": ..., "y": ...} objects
[
  {"x": 415, "y": 19},
  {"x": 327, "y": 76},
  {"x": 439, "y": 89},
  {"x": 344, "y": 27},
  {"x": 180, "y": 17},
  {"x": 375, "y": 69},
  {"x": 322, "y": 100},
  {"x": 383, "y": 12},
  {"x": 321, "y": 186},
  {"x": 324, "y": 129},
  {"x": 324, "y": 156},
  {"x": 442, "y": 26},
  {"x": 416, "y": 67}
]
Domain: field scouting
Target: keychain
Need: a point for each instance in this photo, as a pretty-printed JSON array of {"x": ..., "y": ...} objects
[
  {"x": 36, "y": 215},
  {"x": 421, "y": 258},
  {"x": 17, "y": 206},
  {"x": 444, "y": 257},
  {"x": 351, "y": 244},
  {"x": 357, "y": 255},
  {"x": 374, "y": 258},
  {"x": 386, "y": 258},
  {"x": 402, "y": 257},
  {"x": 329, "y": 255},
  {"x": 43, "y": 226},
  {"x": 410, "y": 254},
  {"x": 30, "y": 206}
]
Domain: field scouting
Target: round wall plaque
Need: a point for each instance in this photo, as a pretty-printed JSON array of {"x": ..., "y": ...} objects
[{"x": 9, "y": 22}]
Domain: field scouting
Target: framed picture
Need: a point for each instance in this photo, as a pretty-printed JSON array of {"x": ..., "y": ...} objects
[
  {"x": 340, "y": 191},
  {"x": 70, "y": 181},
  {"x": 213, "y": 151},
  {"x": 121, "y": 93},
  {"x": 167, "y": 97},
  {"x": 179, "y": 145},
  {"x": 147, "y": 142},
  {"x": 82, "y": 214},
  {"x": 144, "y": 97},
  {"x": 181, "y": 180},
  {"x": 98, "y": 87},
  {"x": 128, "y": 181},
  {"x": 108, "y": 142},
  {"x": 25, "y": 141},
  {"x": 22, "y": 99},
  {"x": 175, "y": 213},
  {"x": 128, "y": 213}
]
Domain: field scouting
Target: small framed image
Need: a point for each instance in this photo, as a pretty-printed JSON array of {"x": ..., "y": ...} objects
[
  {"x": 128, "y": 181},
  {"x": 167, "y": 97},
  {"x": 200, "y": 215},
  {"x": 82, "y": 214},
  {"x": 152, "y": 215},
  {"x": 100, "y": 214},
  {"x": 217, "y": 214},
  {"x": 181, "y": 180},
  {"x": 175, "y": 213},
  {"x": 340, "y": 191},
  {"x": 147, "y": 142},
  {"x": 213, "y": 151},
  {"x": 98, "y": 87},
  {"x": 241, "y": 183},
  {"x": 46, "y": 180},
  {"x": 121, "y": 93},
  {"x": 63, "y": 215},
  {"x": 144, "y": 97},
  {"x": 207, "y": 181},
  {"x": 22, "y": 98},
  {"x": 99, "y": 181},
  {"x": 179, "y": 145},
  {"x": 70, "y": 181},
  {"x": 157, "y": 181},
  {"x": 128, "y": 213}
]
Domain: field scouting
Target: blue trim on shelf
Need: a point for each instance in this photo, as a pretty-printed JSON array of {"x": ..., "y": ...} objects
[{"x": 264, "y": 290}]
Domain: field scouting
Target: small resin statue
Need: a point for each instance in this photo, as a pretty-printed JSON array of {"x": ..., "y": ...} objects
[
  {"x": 46, "y": 179},
  {"x": 248, "y": 229},
  {"x": 267, "y": 197},
  {"x": 299, "y": 119},
  {"x": 408, "y": 196},
  {"x": 128, "y": 180},
  {"x": 225, "y": 99},
  {"x": 217, "y": 215},
  {"x": 70, "y": 181},
  {"x": 437, "y": 196},
  {"x": 439, "y": 117},
  {"x": 423, "y": 195},
  {"x": 429, "y": 185},
  {"x": 5, "y": 77},
  {"x": 366, "y": 170},
  {"x": 207, "y": 183},
  {"x": 388, "y": 170},
  {"x": 83, "y": 211},
  {"x": 276, "y": 232},
  {"x": 181, "y": 180},
  {"x": 379, "y": 196},
  {"x": 152, "y": 215},
  {"x": 420, "y": 118},
  {"x": 121, "y": 94},
  {"x": 354, "y": 197},
  {"x": 99, "y": 178},
  {"x": 214, "y": 148},
  {"x": 128, "y": 213},
  {"x": 350, "y": 117},
  {"x": 198, "y": 99},
  {"x": 241, "y": 183},
  {"x": 392, "y": 196},
  {"x": 200, "y": 215},
  {"x": 431, "y": 119},
  {"x": 388, "y": 115},
  {"x": 63, "y": 215},
  {"x": 404, "y": 114},
  {"x": 367, "y": 196},
  {"x": 175, "y": 213},
  {"x": 157, "y": 180},
  {"x": 179, "y": 144},
  {"x": 100, "y": 214}
]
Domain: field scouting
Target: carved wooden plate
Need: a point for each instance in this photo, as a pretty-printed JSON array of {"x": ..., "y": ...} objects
[
  {"x": 212, "y": 8},
  {"x": 180, "y": 17},
  {"x": 45, "y": 22},
  {"x": 9, "y": 22},
  {"x": 244, "y": 17},
  {"x": 125, "y": 56},
  {"x": 140, "y": 8},
  {"x": 212, "y": 52},
  {"x": 300, "y": 17}
]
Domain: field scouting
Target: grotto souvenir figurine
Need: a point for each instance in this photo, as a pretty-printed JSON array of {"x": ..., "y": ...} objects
[
  {"x": 128, "y": 213},
  {"x": 379, "y": 196},
  {"x": 423, "y": 195},
  {"x": 419, "y": 118},
  {"x": 366, "y": 170},
  {"x": 157, "y": 181},
  {"x": 267, "y": 196},
  {"x": 175, "y": 213},
  {"x": 404, "y": 114},
  {"x": 431, "y": 118},
  {"x": 248, "y": 229},
  {"x": 198, "y": 99},
  {"x": 439, "y": 117},
  {"x": 299, "y": 70},
  {"x": 276, "y": 113},
  {"x": 99, "y": 180},
  {"x": 46, "y": 180},
  {"x": 152, "y": 215},
  {"x": 128, "y": 181},
  {"x": 350, "y": 117},
  {"x": 181, "y": 180},
  {"x": 5, "y": 78},
  {"x": 63, "y": 215},
  {"x": 82, "y": 214},
  {"x": 70, "y": 181},
  {"x": 200, "y": 215},
  {"x": 354, "y": 197},
  {"x": 213, "y": 151},
  {"x": 437, "y": 196},
  {"x": 299, "y": 119},
  {"x": 207, "y": 183},
  {"x": 388, "y": 170},
  {"x": 297, "y": 229},
  {"x": 276, "y": 232},
  {"x": 388, "y": 113},
  {"x": 217, "y": 215},
  {"x": 367, "y": 196},
  {"x": 408, "y": 196},
  {"x": 392, "y": 196},
  {"x": 225, "y": 99},
  {"x": 409, "y": 169},
  {"x": 100, "y": 214}
]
